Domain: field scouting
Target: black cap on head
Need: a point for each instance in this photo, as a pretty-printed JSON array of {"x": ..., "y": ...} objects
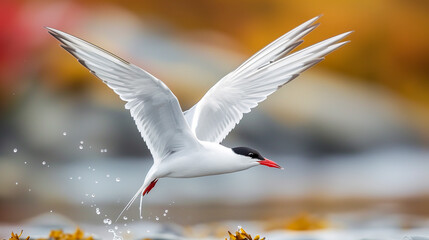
[{"x": 248, "y": 152}]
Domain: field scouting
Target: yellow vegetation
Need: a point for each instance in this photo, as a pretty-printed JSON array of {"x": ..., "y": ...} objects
[
  {"x": 60, "y": 235},
  {"x": 242, "y": 235},
  {"x": 300, "y": 222},
  {"x": 15, "y": 236}
]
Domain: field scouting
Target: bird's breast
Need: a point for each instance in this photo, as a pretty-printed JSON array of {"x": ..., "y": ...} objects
[{"x": 200, "y": 164}]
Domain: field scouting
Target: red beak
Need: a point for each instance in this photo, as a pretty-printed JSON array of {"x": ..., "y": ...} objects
[{"x": 269, "y": 163}]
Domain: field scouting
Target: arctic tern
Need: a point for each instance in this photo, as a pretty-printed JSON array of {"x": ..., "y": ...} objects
[{"x": 187, "y": 144}]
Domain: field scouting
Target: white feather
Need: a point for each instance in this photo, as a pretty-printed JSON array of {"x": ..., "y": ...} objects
[
  {"x": 223, "y": 106},
  {"x": 153, "y": 106}
]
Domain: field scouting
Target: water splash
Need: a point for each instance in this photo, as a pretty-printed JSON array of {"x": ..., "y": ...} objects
[
  {"x": 64, "y": 133},
  {"x": 97, "y": 211},
  {"x": 115, "y": 236},
  {"x": 15, "y": 150},
  {"x": 117, "y": 179}
]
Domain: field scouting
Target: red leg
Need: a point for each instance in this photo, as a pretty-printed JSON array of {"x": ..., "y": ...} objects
[{"x": 151, "y": 185}]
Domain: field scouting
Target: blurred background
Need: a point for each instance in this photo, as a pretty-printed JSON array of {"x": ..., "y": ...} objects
[{"x": 352, "y": 132}]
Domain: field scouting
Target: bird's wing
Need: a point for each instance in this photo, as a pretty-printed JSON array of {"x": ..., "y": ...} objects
[
  {"x": 223, "y": 106},
  {"x": 153, "y": 106}
]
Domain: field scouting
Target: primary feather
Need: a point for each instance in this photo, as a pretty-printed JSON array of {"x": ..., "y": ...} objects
[
  {"x": 152, "y": 105},
  {"x": 223, "y": 106}
]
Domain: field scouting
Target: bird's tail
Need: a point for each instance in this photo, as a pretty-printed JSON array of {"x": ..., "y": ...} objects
[{"x": 139, "y": 192}]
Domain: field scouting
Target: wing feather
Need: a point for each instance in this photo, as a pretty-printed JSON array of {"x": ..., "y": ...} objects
[
  {"x": 152, "y": 105},
  {"x": 223, "y": 106}
]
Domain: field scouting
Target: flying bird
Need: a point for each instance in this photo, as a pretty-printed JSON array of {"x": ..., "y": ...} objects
[{"x": 187, "y": 144}]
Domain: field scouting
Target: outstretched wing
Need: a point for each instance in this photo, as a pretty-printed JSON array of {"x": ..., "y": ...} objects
[
  {"x": 223, "y": 106},
  {"x": 153, "y": 106}
]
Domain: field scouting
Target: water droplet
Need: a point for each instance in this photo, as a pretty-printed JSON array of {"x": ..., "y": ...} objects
[
  {"x": 25, "y": 162},
  {"x": 166, "y": 211},
  {"x": 117, "y": 179},
  {"x": 147, "y": 231},
  {"x": 51, "y": 211},
  {"x": 93, "y": 195},
  {"x": 86, "y": 194},
  {"x": 96, "y": 182},
  {"x": 29, "y": 189},
  {"x": 116, "y": 227},
  {"x": 15, "y": 150},
  {"x": 16, "y": 183},
  {"x": 107, "y": 221},
  {"x": 157, "y": 218},
  {"x": 81, "y": 142},
  {"x": 44, "y": 163},
  {"x": 97, "y": 211},
  {"x": 89, "y": 167},
  {"x": 79, "y": 178},
  {"x": 165, "y": 214},
  {"x": 82, "y": 202},
  {"x": 64, "y": 133},
  {"x": 107, "y": 175},
  {"x": 80, "y": 147},
  {"x": 128, "y": 231},
  {"x": 71, "y": 178},
  {"x": 125, "y": 224},
  {"x": 93, "y": 169},
  {"x": 125, "y": 218}
]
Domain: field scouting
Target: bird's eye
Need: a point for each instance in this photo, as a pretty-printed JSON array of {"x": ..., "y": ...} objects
[{"x": 251, "y": 154}]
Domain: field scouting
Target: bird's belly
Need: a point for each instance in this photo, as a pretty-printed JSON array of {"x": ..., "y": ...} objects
[{"x": 197, "y": 167}]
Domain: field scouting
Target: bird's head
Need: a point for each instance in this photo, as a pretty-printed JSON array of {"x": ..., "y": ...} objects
[{"x": 255, "y": 156}]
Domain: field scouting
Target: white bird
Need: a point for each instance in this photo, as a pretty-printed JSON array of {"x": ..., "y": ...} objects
[{"x": 187, "y": 144}]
